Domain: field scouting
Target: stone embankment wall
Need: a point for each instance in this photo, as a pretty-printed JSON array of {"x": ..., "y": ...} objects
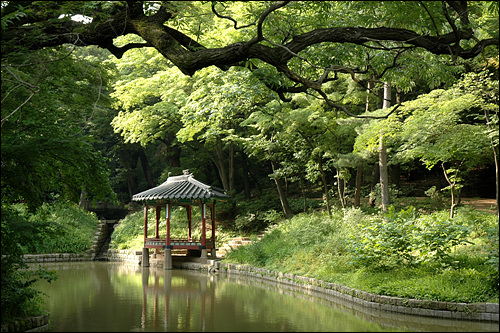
[
  {"x": 447, "y": 310},
  {"x": 57, "y": 257},
  {"x": 127, "y": 256},
  {"x": 29, "y": 324}
]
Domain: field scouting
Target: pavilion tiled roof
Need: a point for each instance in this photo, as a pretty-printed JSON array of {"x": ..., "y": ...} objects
[{"x": 181, "y": 187}]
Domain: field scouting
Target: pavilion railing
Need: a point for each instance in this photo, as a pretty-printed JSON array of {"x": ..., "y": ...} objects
[{"x": 193, "y": 244}]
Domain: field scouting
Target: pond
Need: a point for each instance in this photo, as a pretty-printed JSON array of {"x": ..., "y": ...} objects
[{"x": 113, "y": 297}]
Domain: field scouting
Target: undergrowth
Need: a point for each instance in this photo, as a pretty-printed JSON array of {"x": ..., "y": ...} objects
[{"x": 402, "y": 253}]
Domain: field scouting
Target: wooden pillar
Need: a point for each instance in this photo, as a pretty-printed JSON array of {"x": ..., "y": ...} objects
[
  {"x": 212, "y": 218},
  {"x": 158, "y": 211},
  {"x": 189, "y": 214},
  {"x": 167, "y": 218},
  {"x": 203, "y": 257},
  {"x": 145, "y": 223},
  {"x": 203, "y": 226}
]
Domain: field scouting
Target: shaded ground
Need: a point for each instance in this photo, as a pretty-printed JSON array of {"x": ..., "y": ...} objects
[{"x": 487, "y": 205}]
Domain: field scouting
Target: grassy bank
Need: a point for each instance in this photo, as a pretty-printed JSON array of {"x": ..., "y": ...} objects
[{"x": 402, "y": 254}]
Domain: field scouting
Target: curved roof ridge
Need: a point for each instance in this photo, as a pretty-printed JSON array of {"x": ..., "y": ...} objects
[
  {"x": 183, "y": 187},
  {"x": 198, "y": 183}
]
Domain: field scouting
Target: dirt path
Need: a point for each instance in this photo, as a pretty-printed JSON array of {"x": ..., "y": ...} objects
[{"x": 487, "y": 205}]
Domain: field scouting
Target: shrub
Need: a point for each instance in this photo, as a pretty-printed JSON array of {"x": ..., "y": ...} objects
[
  {"x": 492, "y": 241},
  {"x": 255, "y": 222},
  {"x": 69, "y": 229},
  {"x": 436, "y": 236},
  {"x": 385, "y": 243},
  {"x": 19, "y": 298},
  {"x": 403, "y": 239}
]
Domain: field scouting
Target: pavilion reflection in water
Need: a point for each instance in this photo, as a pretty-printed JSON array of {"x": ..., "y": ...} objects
[{"x": 179, "y": 298}]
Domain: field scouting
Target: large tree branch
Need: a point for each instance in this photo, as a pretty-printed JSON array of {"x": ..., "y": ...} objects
[{"x": 190, "y": 56}]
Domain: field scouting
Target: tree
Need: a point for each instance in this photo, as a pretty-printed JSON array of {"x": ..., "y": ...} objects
[
  {"x": 291, "y": 47},
  {"x": 293, "y": 40},
  {"x": 485, "y": 89},
  {"x": 46, "y": 146},
  {"x": 445, "y": 138},
  {"x": 267, "y": 142},
  {"x": 384, "y": 177},
  {"x": 212, "y": 114}
]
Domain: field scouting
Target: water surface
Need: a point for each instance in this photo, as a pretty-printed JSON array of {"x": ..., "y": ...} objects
[{"x": 113, "y": 297}]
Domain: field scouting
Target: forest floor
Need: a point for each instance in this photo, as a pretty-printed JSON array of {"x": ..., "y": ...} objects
[
  {"x": 487, "y": 205},
  {"x": 482, "y": 204}
]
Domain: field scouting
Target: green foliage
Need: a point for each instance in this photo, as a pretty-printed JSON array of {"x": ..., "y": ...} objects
[
  {"x": 402, "y": 238},
  {"x": 19, "y": 298},
  {"x": 385, "y": 243},
  {"x": 434, "y": 130},
  {"x": 462, "y": 285},
  {"x": 492, "y": 242},
  {"x": 60, "y": 228},
  {"x": 297, "y": 205},
  {"x": 9, "y": 18},
  {"x": 254, "y": 222},
  {"x": 48, "y": 96},
  {"x": 400, "y": 254},
  {"x": 376, "y": 194},
  {"x": 436, "y": 236},
  {"x": 304, "y": 232},
  {"x": 149, "y": 105}
]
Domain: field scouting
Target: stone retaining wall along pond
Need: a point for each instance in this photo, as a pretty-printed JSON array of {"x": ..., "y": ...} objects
[
  {"x": 447, "y": 310},
  {"x": 28, "y": 324}
]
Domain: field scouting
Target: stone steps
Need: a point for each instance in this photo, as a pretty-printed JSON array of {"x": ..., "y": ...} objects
[{"x": 239, "y": 241}]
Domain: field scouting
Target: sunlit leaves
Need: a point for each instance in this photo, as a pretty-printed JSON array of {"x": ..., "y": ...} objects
[
  {"x": 433, "y": 132},
  {"x": 150, "y": 106},
  {"x": 219, "y": 102}
]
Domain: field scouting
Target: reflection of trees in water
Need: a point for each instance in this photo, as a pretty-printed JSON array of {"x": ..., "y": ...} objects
[{"x": 110, "y": 296}]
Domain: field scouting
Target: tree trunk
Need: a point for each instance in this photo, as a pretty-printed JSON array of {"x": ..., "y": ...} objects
[
  {"x": 246, "y": 176},
  {"x": 357, "y": 191},
  {"x": 302, "y": 189},
  {"x": 131, "y": 184},
  {"x": 384, "y": 177},
  {"x": 325, "y": 187},
  {"x": 220, "y": 165},
  {"x": 173, "y": 151},
  {"x": 371, "y": 85},
  {"x": 84, "y": 203},
  {"x": 281, "y": 192},
  {"x": 384, "y": 186},
  {"x": 145, "y": 167},
  {"x": 374, "y": 182},
  {"x": 455, "y": 199},
  {"x": 341, "y": 189},
  {"x": 231, "y": 166}
]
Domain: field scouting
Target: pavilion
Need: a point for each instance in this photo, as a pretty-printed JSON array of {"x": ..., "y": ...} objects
[{"x": 185, "y": 191}]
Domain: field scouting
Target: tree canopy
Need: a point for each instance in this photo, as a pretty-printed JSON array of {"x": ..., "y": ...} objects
[
  {"x": 276, "y": 82},
  {"x": 304, "y": 43}
]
